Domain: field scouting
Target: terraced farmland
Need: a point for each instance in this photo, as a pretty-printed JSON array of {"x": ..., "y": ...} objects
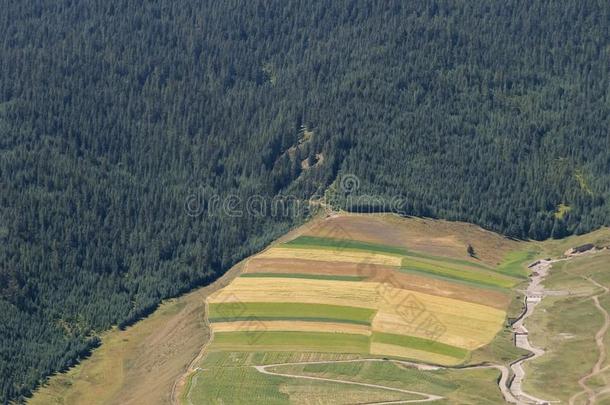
[
  {"x": 329, "y": 293},
  {"x": 349, "y": 290}
]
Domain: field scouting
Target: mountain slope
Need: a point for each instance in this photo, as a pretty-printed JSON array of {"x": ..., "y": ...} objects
[{"x": 114, "y": 116}]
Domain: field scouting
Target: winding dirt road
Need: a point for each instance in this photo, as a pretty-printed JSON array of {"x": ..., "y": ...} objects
[
  {"x": 503, "y": 381},
  {"x": 533, "y": 295}
]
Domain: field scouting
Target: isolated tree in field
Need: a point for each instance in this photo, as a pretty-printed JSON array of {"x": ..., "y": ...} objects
[{"x": 471, "y": 251}]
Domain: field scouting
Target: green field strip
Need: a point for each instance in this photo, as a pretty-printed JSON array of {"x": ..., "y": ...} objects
[
  {"x": 292, "y": 310},
  {"x": 453, "y": 279},
  {"x": 301, "y": 341},
  {"x": 417, "y": 343},
  {"x": 475, "y": 276},
  {"x": 305, "y": 276},
  {"x": 448, "y": 260},
  {"x": 289, "y": 318},
  {"x": 348, "y": 244}
]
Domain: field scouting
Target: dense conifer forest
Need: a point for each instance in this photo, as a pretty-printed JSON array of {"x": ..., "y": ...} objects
[{"x": 119, "y": 121}]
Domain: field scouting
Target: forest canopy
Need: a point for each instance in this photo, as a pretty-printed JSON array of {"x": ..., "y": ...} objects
[{"x": 113, "y": 114}]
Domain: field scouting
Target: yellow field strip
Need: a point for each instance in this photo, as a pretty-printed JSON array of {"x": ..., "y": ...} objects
[
  {"x": 450, "y": 321},
  {"x": 384, "y": 349},
  {"x": 339, "y": 255},
  {"x": 455, "y": 331},
  {"x": 453, "y": 322},
  {"x": 345, "y": 293}
]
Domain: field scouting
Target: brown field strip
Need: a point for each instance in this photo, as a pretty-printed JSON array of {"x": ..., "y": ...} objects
[
  {"x": 443, "y": 288},
  {"x": 436, "y": 237},
  {"x": 384, "y": 274}
]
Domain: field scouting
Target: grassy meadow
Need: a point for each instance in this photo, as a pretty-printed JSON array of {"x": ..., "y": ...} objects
[{"x": 566, "y": 326}]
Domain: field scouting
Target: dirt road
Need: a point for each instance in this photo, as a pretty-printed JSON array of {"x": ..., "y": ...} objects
[
  {"x": 533, "y": 295},
  {"x": 426, "y": 397}
]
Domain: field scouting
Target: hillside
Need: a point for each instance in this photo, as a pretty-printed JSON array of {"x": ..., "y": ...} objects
[
  {"x": 242, "y": 336},
  {"x": 142, "y": 145},
  {"x": 381, "y": 309},
  {"x": 573, "y": 327},
  {"x": 359, "y": 287}
]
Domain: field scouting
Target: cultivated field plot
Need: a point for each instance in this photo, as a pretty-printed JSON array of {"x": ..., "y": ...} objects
[
  {"x": 360, "y": 299},
  {"x": 231, "y": 378},
  {"x": 329, "y": 291}
]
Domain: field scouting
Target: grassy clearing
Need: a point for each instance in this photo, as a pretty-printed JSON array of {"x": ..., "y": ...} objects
[
  {"x": 285, "y": 341},
  {"x": 306, "y": 276},
  {"x": 562, "y": 211},
  {"x": 568, "y": 326},
  {"x": 419, "y": 344},
  {"x": 288, "y": 310}
]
